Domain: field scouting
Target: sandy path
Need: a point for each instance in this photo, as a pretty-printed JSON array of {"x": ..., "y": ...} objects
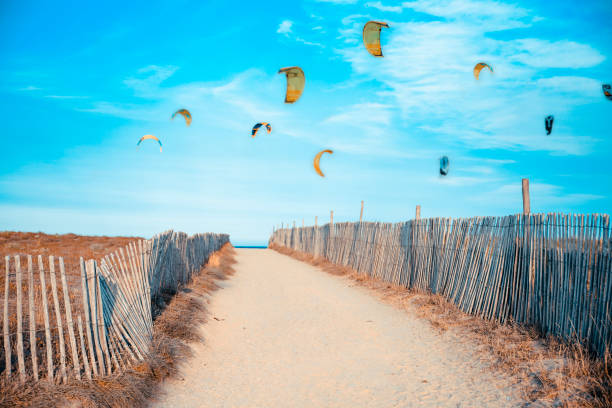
[{"x": 290, "y": 335}]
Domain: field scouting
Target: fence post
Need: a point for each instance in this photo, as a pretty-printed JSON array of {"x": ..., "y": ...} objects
[
  {"x": 418, "y": 212},
  {"x": 7, "y": 341},
  {"x": 526, "y": 204},
  {"x": 68, "y": 309},
  {"x": 361, "y": 213},
  {"x": 43, "y": 289},
  {"x": 20, "y": 357},
  {"x": 60, "y": 327},
  {"x": 32, "y": 318}
]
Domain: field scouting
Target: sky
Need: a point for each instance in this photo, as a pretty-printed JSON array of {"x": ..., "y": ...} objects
[{"x": 81, "y": 83}]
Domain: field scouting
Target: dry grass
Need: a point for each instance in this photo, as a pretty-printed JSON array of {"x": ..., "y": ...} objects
[
  {"x": 550, "y": 372},
  {"x": 68, "y": 246},
  {"x": 177, "y": 324}
]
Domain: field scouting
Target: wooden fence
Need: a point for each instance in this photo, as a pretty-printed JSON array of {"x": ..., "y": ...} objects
[
  {"x": 552, "y": 271},
  {"x": 96, "y": 322}
]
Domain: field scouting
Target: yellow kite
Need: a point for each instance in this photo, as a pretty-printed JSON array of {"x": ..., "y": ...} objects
[
  {"x": 295, "y": 83},
  {"x": 371, "y": 37},
  {"x": 317, "y": 159},
  {"x": 186, "y": 114},
  {"x": 479, "y": 68}
]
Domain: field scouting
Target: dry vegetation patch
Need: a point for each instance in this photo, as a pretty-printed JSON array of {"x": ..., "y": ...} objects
[
  {"x": 178, "y": 318},
  {"x": 549, "y": 371}
]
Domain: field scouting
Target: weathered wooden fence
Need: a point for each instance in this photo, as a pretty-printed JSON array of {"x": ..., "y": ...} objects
[
  {"x": 100, "y": 323},
  {"x": 552, "y": 271}
]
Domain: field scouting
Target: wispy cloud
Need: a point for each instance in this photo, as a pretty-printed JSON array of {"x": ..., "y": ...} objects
[
  {"x": 66, "y": 97},
  {"x": 551, "y": 54},
  {"x": 150, "y": 78},
  {"x": 338, "y": 1},
  {"x": 285, "y": 27},
  {"x": 120, "y": 110},
  {"x": 491, "y": 15},
  {"x": 502, "y": 110},
  {"x": 363, "y": 114},
  {"x": 378, "y": 5},
  {"x": 306, "y": 42},
  {"x": 30, "y": 88},
  {"x": 543, "y": 195}
]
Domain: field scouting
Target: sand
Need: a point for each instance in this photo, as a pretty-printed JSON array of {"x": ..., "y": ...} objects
[{"x": 282, "y": 333}]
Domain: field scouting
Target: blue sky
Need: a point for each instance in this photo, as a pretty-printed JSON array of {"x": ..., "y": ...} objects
[{"x": 80, "y": 84}]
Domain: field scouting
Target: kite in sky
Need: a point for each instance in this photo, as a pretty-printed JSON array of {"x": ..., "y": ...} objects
[
  {"x": 257, "y": 126},
  {"x": 295, "y": 83},
  {"x": 318, "y": 158},
  {"x": 145, "y": 137},
  {"x": 371, "y": 37},
  {"x": 186, "y": 114}
]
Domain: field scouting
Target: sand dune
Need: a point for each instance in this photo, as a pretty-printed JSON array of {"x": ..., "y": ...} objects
[{"x": 284, "y": 334}]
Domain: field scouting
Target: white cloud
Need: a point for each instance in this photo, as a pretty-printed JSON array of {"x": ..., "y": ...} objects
[
  {"x": 30, "y": 88},
  {"x": 66, "y": 97},
  {"x": 285, "y": 27},
  {"x": 153, "y": 76},
  {"x": 369, "y": 113},
  {"x": 544, "y": 195},
  {"x": 126, "y": 111},
  {"x": 303, "y": 41},
  {"x": 552, "y": 54},
  {"x": 427, "y": 70},
  {"x": 571, "y": 84},
  {"x": 353, "y": 25},
  {"x": 378, "y": 5},
  {"x": 338, "y": 1},
  {"x": 491, "y": 15}
]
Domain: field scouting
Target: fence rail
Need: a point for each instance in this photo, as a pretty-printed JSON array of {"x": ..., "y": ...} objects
[
  {"x": 552, "y": 271},
  {"x": 100, "y": 323}
]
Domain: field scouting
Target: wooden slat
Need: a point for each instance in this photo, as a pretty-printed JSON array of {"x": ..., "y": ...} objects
[
  {"x": 83, "y": 349},
  {"x": 93, "y": 308},
  {"x": 87, "y": 312},
  {"x": 5, "y": 326},
  {"x": 58, "y": 316},
  {"x": 43, "y": 289},
  {"x": 20, "y": 358},
  {"x": 68, "y": 308},
  {"x": 101, "y": 323},
  {"x": 32, "y": 319}
]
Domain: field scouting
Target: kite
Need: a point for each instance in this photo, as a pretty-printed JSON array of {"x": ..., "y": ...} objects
[
  {"x": 607, "y": 90},
  {"x": 443, "y": 166},
  {"x": 145, "y": 137},
  {"x": 478, "y": 67},
  {"x": 295, "y": 83},
  {"x": 186, "y": 114},
  {"x": 548, "y": 123},
  {"x": 317, "y": 159},
  {"x": 257, "y": 126},
  {"x": 371, "y": 37}
]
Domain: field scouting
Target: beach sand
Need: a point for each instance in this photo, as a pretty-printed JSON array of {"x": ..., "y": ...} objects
[{"x": 282, "y": 333}]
